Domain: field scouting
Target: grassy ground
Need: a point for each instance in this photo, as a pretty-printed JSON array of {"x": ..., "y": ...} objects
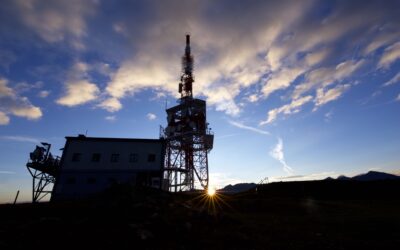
[{"x": 146, "y": 219}]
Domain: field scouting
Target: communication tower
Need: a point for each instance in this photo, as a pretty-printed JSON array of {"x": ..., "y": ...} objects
[{"x": 188, "y": 137}]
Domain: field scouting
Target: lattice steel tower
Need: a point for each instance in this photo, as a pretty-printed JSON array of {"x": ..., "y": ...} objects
[{"x": 187, "y": 136}]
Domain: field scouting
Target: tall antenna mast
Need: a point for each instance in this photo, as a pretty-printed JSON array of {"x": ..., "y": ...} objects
[
  {"x": 188, "y": 138},
  {"x": 186, "y": 84}
]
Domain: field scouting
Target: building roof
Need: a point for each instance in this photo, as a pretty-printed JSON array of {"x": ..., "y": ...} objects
[{"x": 85, "y": 138}]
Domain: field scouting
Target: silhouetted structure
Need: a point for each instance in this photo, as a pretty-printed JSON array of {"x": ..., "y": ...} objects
[
  {"x": 43, "y": 167},
  {"x": 187, "y": 135},
  {"x": 90, "y": 165},
  {"x": 176, "y": 162}
]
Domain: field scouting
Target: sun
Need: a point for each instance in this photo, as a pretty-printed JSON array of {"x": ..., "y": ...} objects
[{"x": 211, "y": 191}]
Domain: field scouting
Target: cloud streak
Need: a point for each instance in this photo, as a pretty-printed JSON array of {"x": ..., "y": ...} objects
[
  {"x": 393, "y": 80},
  {"x": 19, "y": 138},
  {"x": 277, "y": 153},
  {"x": 7, "y": 172},
  {"x": 253, "y": 129},
  {"x": 291, "y": 108}
]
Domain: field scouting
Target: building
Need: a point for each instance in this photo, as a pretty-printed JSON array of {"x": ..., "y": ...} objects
[
  {"x": 176, "y": 162},
  {"x": 90, "y": 165}
]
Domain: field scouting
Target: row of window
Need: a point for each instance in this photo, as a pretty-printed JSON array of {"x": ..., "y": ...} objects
[
  {"x": 92, "y": 180},
  {"x": 96, "y": 157}
]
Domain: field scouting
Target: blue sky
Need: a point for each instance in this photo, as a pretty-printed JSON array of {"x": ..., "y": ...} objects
[{"x": 295, "y": 89}]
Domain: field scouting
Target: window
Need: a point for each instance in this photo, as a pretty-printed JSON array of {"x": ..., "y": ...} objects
[
  {"x": 114, "y": 157},
  {"x": 133, "y": 158},
  {"x": 151, "y": 158},
  {"x": 91, "y": 180},
  {"x": 96, "y": 157},
  {"x": 76, "y": 157},
  {"x": 71, "y": 180}
]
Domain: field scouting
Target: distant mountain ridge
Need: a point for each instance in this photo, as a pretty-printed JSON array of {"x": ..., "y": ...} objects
[
  {"x": 374, "y": 176},
  {"x": 237, "y": 188},
  {"x": 370, "y": 176}
]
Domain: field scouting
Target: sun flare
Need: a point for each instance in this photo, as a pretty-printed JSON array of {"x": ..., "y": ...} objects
[{"x": 211, "y": 191}]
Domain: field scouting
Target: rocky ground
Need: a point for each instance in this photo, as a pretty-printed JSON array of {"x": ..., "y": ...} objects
[{"x": 131, "y": 218}]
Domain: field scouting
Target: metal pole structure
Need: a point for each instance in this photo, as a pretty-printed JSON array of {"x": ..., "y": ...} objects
[
  {"x": 16, "y": 197},
  {"x": 43, "y": 170},
  {"x": 187, "y": 135}
]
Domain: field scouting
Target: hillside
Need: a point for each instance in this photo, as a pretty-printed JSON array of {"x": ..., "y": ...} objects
[{"x": 273, "y": 216}]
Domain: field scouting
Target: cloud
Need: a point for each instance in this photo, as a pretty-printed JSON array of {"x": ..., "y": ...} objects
[
  {"x": 7, "y": 172},
  {"x": 328, "y": 116},
  {"x": 25, "y": 87},
  {"x": 225, "y": 65},
  {"x": 281, "y": 80},
  {"x": 398, "y": 98},
  {"x": 79, "y": 92},
  {"x": 44, "y": 93},
  {"x": 12, "y": 103},
  {"x": 223, "y": 99},
  {"x": 79, "y": 89},
  {"x": 277, "y": 153},
  {"x": 4, "y": 119},
  {"x": 253, "y": 98},
  {"x": 151, "y": 116},
  {"x": 111, "y": 118},
  {"x": 325, "y": 76},
  {"x": 111, "y": 104},
  {"x": 274, "y": 46},
  {"x": 19, "y": 138},
  {"x": 248, "y": 55},
  {"x": 390, "y": 55},
  {"x": 307, "y": 177},
  {"x": 242, "y": 126},
  {"x": 394, "y": 80},
  {"x": 381, "y": 40},
  {"x": 58, "y": 20},
  {"x": 332, "y": 94},
  {"x": 316, "y": 57},
  {"x": 291, "y": 108}
]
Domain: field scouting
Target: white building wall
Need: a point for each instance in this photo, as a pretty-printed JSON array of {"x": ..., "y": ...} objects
[
  {"x": 84, "y": 176},
  {"x": 106, "y": 148}
]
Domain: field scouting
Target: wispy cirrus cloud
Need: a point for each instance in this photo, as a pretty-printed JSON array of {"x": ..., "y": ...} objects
[
  {"x": 253, "y": 129},
  {"x": 391, "y": 54},
  {"x": 19, "y": 138},
  {"x": 7, "y": 172},
  {"x": 305, "y": 177},
  {"x": 393, "y": 80},
  {"x": 325, "y": 96},
  {"x": 291, "y": 108}
]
